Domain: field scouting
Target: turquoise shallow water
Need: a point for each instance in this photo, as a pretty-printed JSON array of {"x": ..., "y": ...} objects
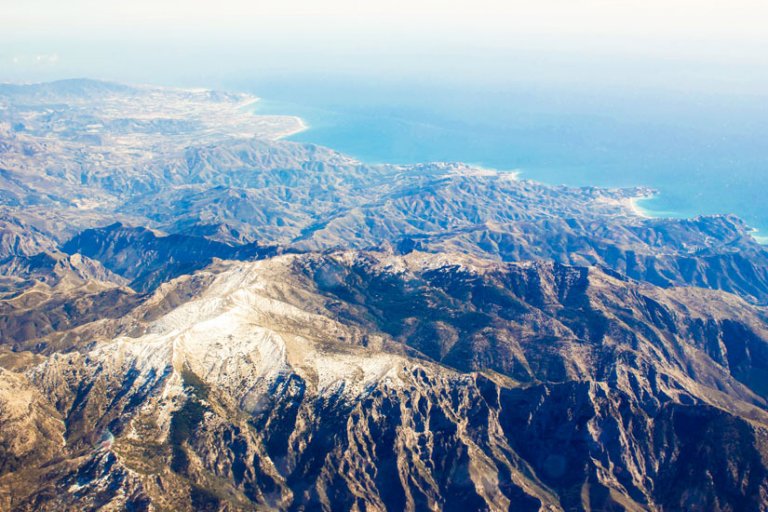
[{"x": 704, "y": 155}]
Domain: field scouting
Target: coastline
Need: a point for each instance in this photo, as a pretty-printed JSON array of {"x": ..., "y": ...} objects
[
  {"x": 251, "y": 104},
  {"x": 633, "y": 204},
  {"x": 761, "y": 239},
  {"x": 301, "y": 126}
]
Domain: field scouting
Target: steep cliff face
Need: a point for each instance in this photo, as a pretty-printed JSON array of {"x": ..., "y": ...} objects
[{"x": 306, "y": 381}]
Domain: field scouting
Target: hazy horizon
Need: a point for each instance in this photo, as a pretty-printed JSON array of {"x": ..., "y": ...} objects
[{"x": 704, "y": 47}]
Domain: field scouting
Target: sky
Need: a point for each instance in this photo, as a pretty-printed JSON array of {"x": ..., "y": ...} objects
[
  {"x": 695, "y": 43},
  {"x": 668, "y": 19}
]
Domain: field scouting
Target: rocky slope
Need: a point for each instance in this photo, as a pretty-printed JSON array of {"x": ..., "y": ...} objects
[{"x": 311, "y": 381}]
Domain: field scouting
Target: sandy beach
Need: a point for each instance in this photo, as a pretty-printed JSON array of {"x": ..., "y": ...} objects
[
  {"x": 632, "y": 205},
  {"x": 299, "y": 126}
]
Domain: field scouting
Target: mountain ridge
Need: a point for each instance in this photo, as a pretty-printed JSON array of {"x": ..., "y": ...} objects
[{"x": 318, "y": 356}]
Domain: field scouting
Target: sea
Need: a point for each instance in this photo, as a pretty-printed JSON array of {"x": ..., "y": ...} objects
[{"x": 703, "y": 154}]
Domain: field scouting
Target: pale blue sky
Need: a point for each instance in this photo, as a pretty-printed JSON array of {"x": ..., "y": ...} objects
[
  {"x": 683, "y": 43},
  {"x": 739, "y": 19}
]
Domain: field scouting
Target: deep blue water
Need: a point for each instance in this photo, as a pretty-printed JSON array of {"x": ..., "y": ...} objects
[{"x": 704, "y": 154}]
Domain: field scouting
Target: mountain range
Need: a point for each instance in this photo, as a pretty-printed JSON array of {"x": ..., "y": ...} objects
[{"x": 196, "y": 314}]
